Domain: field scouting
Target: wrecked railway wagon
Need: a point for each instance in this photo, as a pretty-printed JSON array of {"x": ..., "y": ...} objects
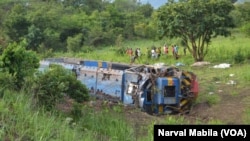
[{"x": 156, "y": 89}]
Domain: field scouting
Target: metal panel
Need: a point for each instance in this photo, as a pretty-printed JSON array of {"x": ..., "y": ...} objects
[
  {"x": 109, "y": 82},
  {"x": 90, "y": 63},
  {"x": 88, "y": 77},
  {"x": 43, "y": 65},
  {"x": 130, "y": 77},
  {"x": 158, "y": 98},
  {"x": 168, "y": 82}
]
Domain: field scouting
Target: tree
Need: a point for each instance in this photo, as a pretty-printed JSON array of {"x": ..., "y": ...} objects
[
  {"x": 196, "y": 22},
  {"x": 16, "y": 24},
  {"x": 241, "y": 13},
  {"x": 75, "y": 43},
  {"x": 146, "y": 10},
  {"x": 126, "y": 5},
  {"x": 19, "y": 62},
  {"x": 34, "y": 37},
  {"x": 244, "y": 17}
]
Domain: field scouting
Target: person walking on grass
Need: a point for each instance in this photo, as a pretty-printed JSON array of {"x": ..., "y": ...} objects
[
  {"x": 173, "y": 51},
  {"x": 136, "y": 56},
  {"x": 139, "y": 52},
  {"x": 158, "y": 52},
  {"x": 176, "y": 51},
  {"x": 153, "y": 53},
  {"x": 165, "y": 49}
]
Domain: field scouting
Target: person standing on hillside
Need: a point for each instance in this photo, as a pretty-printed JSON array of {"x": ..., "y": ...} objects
[
  {"x": 165, "y": 49},
  {"x": 139, "y": 52},
  {"x": 134, "y": 57},
  {"x": 173, "y": 51},
  {"x": 153, "y": 53},
  {"x": 136, "y": 52},
  {"x": 158, "y": 52},
  {"x": 131, "y": 52},
  {"x": 176, "y": 51}
]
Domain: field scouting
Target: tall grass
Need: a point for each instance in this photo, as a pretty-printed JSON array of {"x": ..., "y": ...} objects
[
  {"x": 20, "y": 122},
  {"x": 107, "y": 125},
  {"x": 223, "y": 49}
]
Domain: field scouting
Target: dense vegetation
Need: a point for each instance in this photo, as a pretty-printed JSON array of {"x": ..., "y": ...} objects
[
  {"x": 83, "y": 25},
  {"x": 51, "y": 105}
]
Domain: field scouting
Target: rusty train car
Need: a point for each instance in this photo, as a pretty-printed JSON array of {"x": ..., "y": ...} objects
[{"x": 156, "y": 89}]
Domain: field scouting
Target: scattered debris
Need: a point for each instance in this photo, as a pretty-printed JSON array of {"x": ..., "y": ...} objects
[
  {"x": 231, "y": 82},
  {"x": 159, "y": 64},
  {"x": 231, "y": 75},
  {"x": 222, "y": 66},
  {"x": 179, "y": 64},
  {"x": 220, "y": 91},
  {"x": 199, "y": 64},
  {"x": 211, "y": 93}
]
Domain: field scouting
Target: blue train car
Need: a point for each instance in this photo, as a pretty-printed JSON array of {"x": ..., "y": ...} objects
[
  {"x": 155, "y": 89},
  {"x": 104, "y": 79}
]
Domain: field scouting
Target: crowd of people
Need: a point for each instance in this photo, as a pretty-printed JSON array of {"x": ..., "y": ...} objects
[{"x": 154, "y": 52}]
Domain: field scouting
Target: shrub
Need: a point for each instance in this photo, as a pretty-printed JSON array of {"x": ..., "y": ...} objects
[
  {"x": 87, "y": 49},
  {"x": 19, "y": 62},
  {"x": 239, "y": 57},
  {"x": 44, "y": 52},
  {"x": 77, "y": 91},
  {"x": 248, "y": 55},
  {"x": 119, "y": 41},
  {"x": 52, "y": 85},
  {"x": 75, "y": 43},
  {"x": 120, "y": 51},
  {"x": 7, "y": 81},
  {"x": 76, "y": 111}
]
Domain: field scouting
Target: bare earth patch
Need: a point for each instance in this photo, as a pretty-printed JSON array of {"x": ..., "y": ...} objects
[{"x": 229, "y": 110}]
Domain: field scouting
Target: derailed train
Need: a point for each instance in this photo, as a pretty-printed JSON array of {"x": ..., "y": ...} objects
[{"x": 156, "y": 89}]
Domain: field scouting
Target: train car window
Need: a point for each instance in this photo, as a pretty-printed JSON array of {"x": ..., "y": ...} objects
[{"x": 169, "y": 91}]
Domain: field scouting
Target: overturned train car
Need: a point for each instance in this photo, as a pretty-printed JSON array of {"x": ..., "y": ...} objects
[{"x": 156, "y": 89}]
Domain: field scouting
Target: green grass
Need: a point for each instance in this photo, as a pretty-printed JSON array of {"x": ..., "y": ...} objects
[{"x": 20, "y": 122}]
